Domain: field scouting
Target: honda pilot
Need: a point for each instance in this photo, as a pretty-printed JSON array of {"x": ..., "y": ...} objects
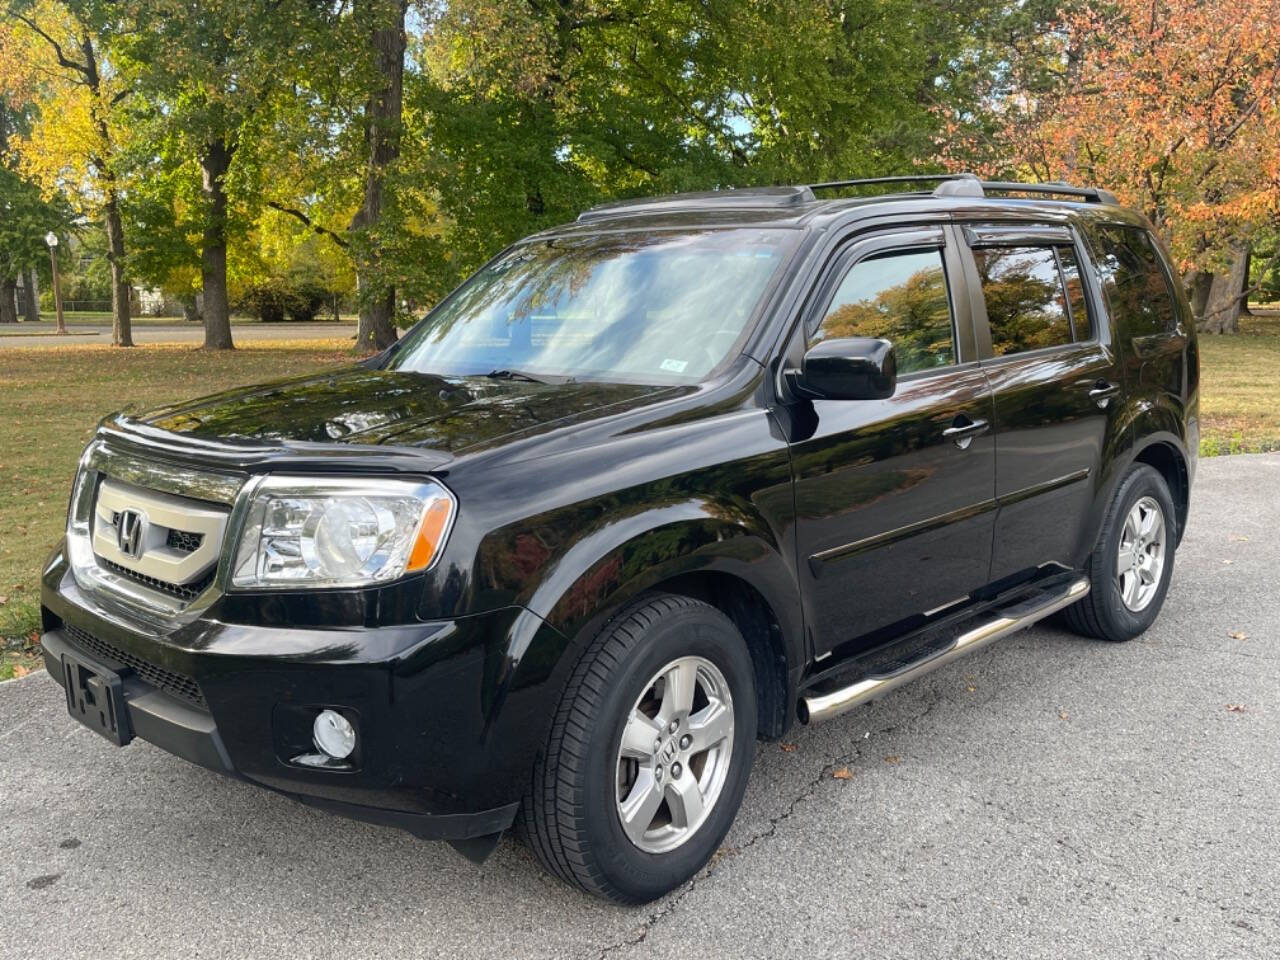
[{"x": 644, "y": 490}]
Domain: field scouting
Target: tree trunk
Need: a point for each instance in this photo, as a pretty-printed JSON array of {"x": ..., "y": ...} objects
[
  {"x": 1198, "y": 285},
  {"x": 376, "y": 329},
  {"x": 190, "y": 310},
  {"x": 213, "y": 254},
  {"x": 33, "y": 297},
  {"x": 1227, "y": 295},
  {"x": 9, "y": 300},
  {"x": 121, "y": 323}
]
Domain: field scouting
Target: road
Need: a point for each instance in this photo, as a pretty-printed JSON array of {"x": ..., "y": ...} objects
[
  {"x": 1049, "y": 797},
  {"x": 39, "y": 335}
]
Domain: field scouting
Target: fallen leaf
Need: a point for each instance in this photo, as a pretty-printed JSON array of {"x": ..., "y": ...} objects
[
  {"x": 1234, "y": 634},
  {"x": 842, "y": 773},
  {"x": 893, "y": 759},
  {"x": 1063, "y": 715},
  {"x": 1239, "y": 539},
  {"x": 19, "y": 670},
  {"x": 789, "y": 747},
  {"x": 1235, "y": 708},
  {"x": 723, "y": 854},
  {"x": 970, "y": 687},
  {"x": 3, "y": 601},
  {"x": 1228, "y": 561}
]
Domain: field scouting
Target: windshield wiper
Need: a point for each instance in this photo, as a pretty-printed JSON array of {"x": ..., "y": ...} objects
[{"x": 523, "y": 375}]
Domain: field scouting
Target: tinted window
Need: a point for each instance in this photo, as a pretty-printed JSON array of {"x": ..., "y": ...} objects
[
  {"x": 902, "y": 298},
  {"x": 1135, "y": 283},
  {"x": 1075, "y": 292},
  {"x": 640, "y": 306},
  {"x": 1026, "y": 300}
]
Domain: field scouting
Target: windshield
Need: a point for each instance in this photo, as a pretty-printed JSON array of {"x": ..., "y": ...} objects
[{"x": 637, "y": 306}]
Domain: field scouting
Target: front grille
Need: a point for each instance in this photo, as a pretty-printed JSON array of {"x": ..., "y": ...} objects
[
  {"x": 184, "y": 542},
  {"x": 170, "y": 681},
  {"x": 182, "y": 591}
]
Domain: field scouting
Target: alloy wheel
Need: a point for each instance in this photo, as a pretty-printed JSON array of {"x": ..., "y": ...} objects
[
  {"x": 674, "y": 755},
  {"x": 1140, "y": 557}
]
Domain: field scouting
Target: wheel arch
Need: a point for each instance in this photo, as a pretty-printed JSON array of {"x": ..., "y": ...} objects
[
  {"x": 735, "y": 566},
  {"x": 1171, "y": 463}
]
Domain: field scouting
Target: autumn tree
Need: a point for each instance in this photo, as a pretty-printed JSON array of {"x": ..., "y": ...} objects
[
  {"x": 73, "y": 139},
  {"x": 1173, "y": 105}
]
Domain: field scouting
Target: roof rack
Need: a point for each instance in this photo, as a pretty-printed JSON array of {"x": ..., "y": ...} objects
[
  {"x": 908, "y": 178},
  {"x": 755, "y": 198},
  {"x": 969, "y": 185}
]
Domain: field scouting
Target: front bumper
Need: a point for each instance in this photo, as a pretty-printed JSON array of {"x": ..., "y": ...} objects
[{"x": 436, "y": 757}]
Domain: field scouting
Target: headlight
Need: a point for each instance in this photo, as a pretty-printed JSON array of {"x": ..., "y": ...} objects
[{"x": 340, "y": 533}]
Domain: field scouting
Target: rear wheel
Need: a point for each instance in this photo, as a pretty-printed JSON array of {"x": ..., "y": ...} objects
[
  {"x": 649, "y": 752},
  {"x": 1131, "y": 565}
]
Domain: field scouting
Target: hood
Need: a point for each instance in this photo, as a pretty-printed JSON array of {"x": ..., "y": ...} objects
[{"x": 362, "y": 406}]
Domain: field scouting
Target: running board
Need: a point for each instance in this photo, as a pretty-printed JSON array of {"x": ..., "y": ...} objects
[{"x": 817, "y": 707}]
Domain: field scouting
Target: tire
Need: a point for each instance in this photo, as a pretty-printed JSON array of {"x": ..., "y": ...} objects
[
  {"x": 572, "y": 814},
  {"x": 1104, "y": 613}
]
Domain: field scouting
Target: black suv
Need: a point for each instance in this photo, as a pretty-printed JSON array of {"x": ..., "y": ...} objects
[{"x": 644, "y": 489}]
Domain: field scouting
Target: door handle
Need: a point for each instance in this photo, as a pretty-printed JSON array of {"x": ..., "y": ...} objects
[
  {"x": 963, "y": 430},
  {"x": 1102, "y": 392}
]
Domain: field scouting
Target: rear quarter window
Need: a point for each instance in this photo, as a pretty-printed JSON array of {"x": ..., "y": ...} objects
[{"x": 1133, "y": 280}]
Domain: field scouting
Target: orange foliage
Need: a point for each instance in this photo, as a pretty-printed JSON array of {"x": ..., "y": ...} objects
[{"x": 1172, "y": 104}]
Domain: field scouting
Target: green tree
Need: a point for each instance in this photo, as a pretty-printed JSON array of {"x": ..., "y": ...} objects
[
  {"x": 521, "y": 113},
  {"x": 206, "y": 75}
]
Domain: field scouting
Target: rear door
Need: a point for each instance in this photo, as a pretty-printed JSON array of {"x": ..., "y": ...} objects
[
  {"x": 894, "y": 498},
  {"x": 1136, "y": 284},
  {"x": 1046, "y": 349}
]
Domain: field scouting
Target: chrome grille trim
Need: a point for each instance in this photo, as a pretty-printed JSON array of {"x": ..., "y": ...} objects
[
  {"x": 162, "y": 514},
  {"x": 135, "y": 592},
  {"x": 181, "y": 481}
]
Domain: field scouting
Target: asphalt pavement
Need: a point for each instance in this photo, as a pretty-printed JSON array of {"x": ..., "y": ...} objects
[
  {"x": 28, "y": 335},
  {"x": 1047, "y": 797}
]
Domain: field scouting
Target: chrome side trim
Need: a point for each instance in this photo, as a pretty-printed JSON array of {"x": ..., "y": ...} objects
[
  {"x": 818, "y": 707},
  {"x": 1026, "y": 493},
  {"x": 819, "y": 561}
]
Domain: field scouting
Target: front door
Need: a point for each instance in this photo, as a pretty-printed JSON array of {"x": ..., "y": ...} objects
[{"x": 894, "y": 498}]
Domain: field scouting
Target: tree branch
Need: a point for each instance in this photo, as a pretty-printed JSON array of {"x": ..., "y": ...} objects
[
  {"x": 57, "y": 47},
  {"x": 306, "y": 221}
]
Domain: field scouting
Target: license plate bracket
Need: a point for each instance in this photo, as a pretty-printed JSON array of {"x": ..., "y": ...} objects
[{"x": 95, "y": 697}]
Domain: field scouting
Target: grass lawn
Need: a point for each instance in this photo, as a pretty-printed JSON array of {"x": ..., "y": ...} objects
[
  {"x": 1240, "y": 388},
  {"x": 50, "y": 401}
]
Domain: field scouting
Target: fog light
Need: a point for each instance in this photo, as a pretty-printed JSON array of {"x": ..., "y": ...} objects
[{"x": 334, "y": 735}]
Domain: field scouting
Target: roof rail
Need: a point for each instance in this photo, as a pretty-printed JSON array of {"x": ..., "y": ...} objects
[
  {"x": 969, "y": 185},
  {"x": 1089, "y": 194},
  {"x": 758, "y": 198},
  {"x": 909, "y": 178}
]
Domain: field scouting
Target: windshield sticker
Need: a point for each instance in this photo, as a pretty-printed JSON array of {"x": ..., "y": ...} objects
[{"x": 674, "y": 366}]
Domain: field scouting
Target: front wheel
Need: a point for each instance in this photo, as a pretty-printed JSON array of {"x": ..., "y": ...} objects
[
  {"x": 1131, "y": 565},
  {"x": 649, "y": 752}
]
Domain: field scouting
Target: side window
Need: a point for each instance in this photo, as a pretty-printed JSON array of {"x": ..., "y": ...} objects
[
  {"x": 1026, "y": 299},
  {"x": 1136, "y": 286},
  {"x": 901, "y": 297}
]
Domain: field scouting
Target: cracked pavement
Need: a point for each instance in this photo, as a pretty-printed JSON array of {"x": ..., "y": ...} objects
[{"x": 1046, "y": 797}]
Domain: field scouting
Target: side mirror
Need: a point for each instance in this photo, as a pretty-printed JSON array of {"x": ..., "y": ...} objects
[{"x": 850, "y": 368}]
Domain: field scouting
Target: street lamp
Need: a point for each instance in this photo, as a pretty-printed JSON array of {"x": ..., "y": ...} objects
[{"x": 51, "y": 239}]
